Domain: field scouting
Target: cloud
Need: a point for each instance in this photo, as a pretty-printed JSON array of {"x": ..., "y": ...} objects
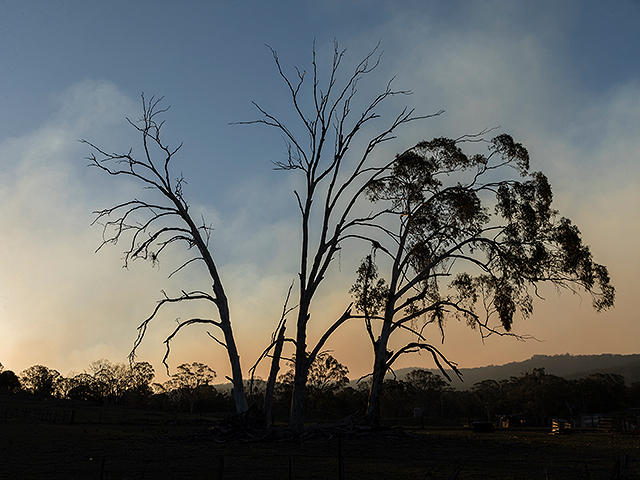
[
  {"x": 487, "y": 67},
  {"x": 64, "y": 306},
  {"x": 507, "y": 67},
  {"x": 48, "y": 276}
]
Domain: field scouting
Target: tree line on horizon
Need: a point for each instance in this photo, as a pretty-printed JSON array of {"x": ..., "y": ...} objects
[
  {"x": 443, "y": 233},
  {"x": 330, "y": 394}
]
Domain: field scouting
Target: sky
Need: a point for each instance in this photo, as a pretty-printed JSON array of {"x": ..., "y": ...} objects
[{"x": 562, "y": 77}]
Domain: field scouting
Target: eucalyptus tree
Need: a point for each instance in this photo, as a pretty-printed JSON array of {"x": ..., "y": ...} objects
[
  {"x": 40, "y": 380},
  {"x": 326, "y": 377},
  {"x": 189, "y": 380},
  {"x": 325, "y": 373},
  {"x": 85, "y": 387},
  {"x": 428, "y": 389},
  {"x": 334, "y": 180},
  {"x": 111, "y": 379},
  {"x": 9, "y": 382},
  {"x": 460, "y": 236},
  {"x": 150, "y": 226}
]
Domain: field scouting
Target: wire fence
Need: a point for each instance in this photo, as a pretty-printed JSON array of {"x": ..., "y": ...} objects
[
  {"x": 101, "y": 415},
  {"x": 150, "y": 457}
]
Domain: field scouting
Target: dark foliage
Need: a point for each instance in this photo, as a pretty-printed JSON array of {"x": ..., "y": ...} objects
[
  {"x": 9, "y": 382},
  {"x": 461, "y": 238}
]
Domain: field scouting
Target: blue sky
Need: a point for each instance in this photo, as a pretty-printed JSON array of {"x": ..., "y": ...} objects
[{"x": 563, "y": 77}]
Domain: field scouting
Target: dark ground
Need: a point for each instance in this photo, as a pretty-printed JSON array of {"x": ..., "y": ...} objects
[{"x": 111, "y": 443}]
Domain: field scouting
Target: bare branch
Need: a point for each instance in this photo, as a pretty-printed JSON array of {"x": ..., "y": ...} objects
[
  {"x": 343, "y": 318},
  {"x": 438, "y": 357},
  {"x": 152, "y": 227},
  {"x": 274, "y": 336},
  {"x": 142, "y": 329},
  {"x": 186, "y": 323}
]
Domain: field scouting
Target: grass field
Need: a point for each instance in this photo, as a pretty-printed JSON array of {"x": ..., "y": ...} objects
[{"x": 114, "y": 443}]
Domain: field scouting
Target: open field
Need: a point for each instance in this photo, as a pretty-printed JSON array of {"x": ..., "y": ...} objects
[{"x": 111, "y": 443}]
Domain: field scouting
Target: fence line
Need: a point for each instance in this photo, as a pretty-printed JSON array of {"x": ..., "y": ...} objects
[
  {"x": 38, "y": 415},
  {"x": 222, "y": 467},
  {"x": 101, "y": 416}
]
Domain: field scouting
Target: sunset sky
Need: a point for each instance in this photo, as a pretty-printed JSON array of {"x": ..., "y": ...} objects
[{"x": 563, "y": 77}]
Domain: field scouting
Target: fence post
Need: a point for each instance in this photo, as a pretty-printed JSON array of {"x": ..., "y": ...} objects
[
  {"x": 455, "y": 473},
  {"x": 625, "y": 467},
  {"x": 340, "y": 466},
  {"x": 220, "y": 467}
]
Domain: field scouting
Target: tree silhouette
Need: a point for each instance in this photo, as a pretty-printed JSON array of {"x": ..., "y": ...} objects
[
  {"x": 188, "y": 380},
  {"x": 9, "y": 382},
  {"x": 333, "y": 184},
  {"x": 111, "y": 379},
  {"x": 602, "y": 392},
  {"x": 461, "y": 238},
  {"x": 427, "y": 388},
  {"x": 84, "y": 387},
  {"x": 488, "y": 393},
  {"x": 141, "y": 374},
  {"x": 325, "y": 377},
  {"x": 40, "y": 380},
  {"x": 153, "y": 226}
]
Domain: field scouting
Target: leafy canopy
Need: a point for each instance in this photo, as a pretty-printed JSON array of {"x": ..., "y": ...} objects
[{"x": 464, "y": 213}]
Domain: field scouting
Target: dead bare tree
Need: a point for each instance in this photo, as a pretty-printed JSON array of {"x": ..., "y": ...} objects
[
  {"x": 276, "y": 345},
  {"x": 332, "y": 185},
  {"x": 152, "y": 226}
]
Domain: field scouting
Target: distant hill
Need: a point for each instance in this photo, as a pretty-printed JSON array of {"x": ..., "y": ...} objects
[{"x": 567, "y": 366}]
